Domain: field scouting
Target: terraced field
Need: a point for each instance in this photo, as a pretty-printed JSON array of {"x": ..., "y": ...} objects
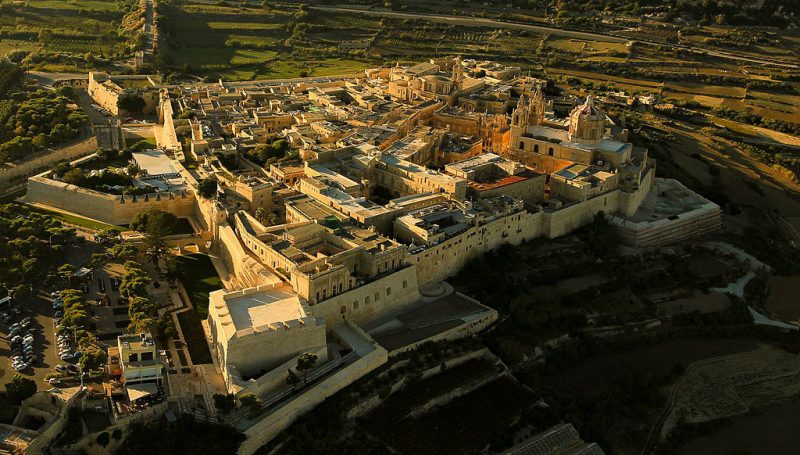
[
  {"x": 463, "y": 425},
  {"x": 52, "y": 27}
]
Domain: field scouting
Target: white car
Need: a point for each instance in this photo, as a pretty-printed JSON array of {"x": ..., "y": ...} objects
[
  {"x": 53, "y": 381},
  {"x": 54, "y": 390}
]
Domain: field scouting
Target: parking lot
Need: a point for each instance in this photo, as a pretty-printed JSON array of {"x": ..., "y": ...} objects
[
  {"x": 39, "y": 308},
  {"x": 41, "y": 312}
]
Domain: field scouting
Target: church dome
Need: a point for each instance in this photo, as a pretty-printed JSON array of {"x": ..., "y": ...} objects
[{"x": 587, "y": 123}]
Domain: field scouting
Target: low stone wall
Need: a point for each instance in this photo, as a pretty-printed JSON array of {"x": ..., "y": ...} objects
[{"x": 16, "y": 175}]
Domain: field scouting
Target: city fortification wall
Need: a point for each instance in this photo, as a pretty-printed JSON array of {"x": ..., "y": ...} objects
[
  {"x": 370, "y": 301},
  {"x": 108, "y": 208},
  {"x": 17, "y": 174}
]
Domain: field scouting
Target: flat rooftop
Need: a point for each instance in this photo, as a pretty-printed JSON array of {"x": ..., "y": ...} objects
[
  {"x": 668, "y": 200},
  {"x": 155, "y": 163},
  {"x": 274, "y": 306}
]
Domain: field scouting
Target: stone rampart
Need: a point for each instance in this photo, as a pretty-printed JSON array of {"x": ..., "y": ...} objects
[
  {"x": 279, "y": 419},
  {"x": 17, "y": 174},
  {"x": 108, "y": 208}
]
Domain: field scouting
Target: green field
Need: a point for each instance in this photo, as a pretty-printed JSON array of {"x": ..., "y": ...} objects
[
  {"x": 92, "y": 5},
  {"x": 199, "y": 279},
  {"x": 52, "y": 28},
  {"x": 77, "y": 220}
]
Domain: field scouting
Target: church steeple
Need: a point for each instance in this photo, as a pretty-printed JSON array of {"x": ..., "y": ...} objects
[
  {"x": 537, "y": 106},
  {"x": 458, "y": 74},
  {"x": 520, "y": 115}
]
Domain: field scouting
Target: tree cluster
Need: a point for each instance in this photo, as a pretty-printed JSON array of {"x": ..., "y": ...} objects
[
  {"x": 264, "y": 154},
  {"x": 31, "y": 245},
  {"x": 141, "y": 310},
  {"x": 33, "y": 118}
]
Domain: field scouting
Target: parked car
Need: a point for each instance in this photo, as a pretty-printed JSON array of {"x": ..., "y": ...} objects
[
  {"x": 58, "y": 314},
  {"x": 61, "y": 368},
  {"x": 72, "y": 368},
  {"x": 54, "y": 390},
  {"x": 66, "y": 356},
  {"x": 16, "y": 339},
  {"x": 53, "y": 381}
]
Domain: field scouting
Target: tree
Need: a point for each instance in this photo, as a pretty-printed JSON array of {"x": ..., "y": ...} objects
[
  {"x": 142, "y": 323},
  {"x": 93, "y": 359},
  {"x": 207, "y": 188},
  {"x": 66, "y": 271},
  {"x": 124, "y": 252},
  {"x": 224, "y": 403},
  {"x": 98, "y": 259},
  {"x": 156, "y": 224},
  {"x": 131, "y": 102},
  {"x": 74, "y": 177},
  {"x": 20, "y": 388},
  {"x": 141, "y": 305},
  {"x": 19, "y": 291},
  {"x": 305, "y": 363},
  {"x": 251, "y": 402},
  {"x": 103, "y": 439},
  {"x": 292, "y": 379},
  {"x": 261, "y": 215}
]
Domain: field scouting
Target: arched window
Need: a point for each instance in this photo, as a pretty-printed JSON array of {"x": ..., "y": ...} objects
[
  {"x": 366, "y": 300},
  {"x": 550, "y": 151},
  {"x": 388, "y": 291},
  {"x": 377, "y": 296},
  {"x": 355, "y": 304},
  {"x": 405, "y": 283},
  {"x": 522, "y": 145},
  {"x": 343, "y": 309}
]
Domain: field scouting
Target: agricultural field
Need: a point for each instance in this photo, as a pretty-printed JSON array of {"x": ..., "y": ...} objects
[
  {"x": 240, "y": 43},
  {"x": 782, "y": 299},
  {"x": 623, "y": 387},
  {"x": 766, "y": 431},
  {"x": 61, "y": 34},
  {"x": 464, "y": 424},
  {"x": 731, "y": 386}
]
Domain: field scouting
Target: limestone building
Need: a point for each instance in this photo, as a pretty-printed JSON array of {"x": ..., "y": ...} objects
[{"x": 256, "y": 329}]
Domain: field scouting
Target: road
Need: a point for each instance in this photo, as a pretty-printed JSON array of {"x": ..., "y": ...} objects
[{"x": 593, "y": 36}]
